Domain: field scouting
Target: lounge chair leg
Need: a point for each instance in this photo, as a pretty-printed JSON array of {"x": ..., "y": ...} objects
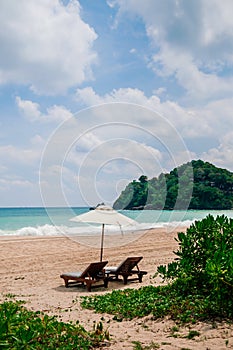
[
  {"x": 106, "y": 282},
  {"x": 66, "y": 283},
  {"x": 88, "y": 286}
]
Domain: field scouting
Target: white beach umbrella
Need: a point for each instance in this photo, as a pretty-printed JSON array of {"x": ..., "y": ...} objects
[{"x": 104, "y": 215}]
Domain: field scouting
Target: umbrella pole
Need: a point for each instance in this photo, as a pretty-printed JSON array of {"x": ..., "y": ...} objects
[{"x": 102, "y": 244}]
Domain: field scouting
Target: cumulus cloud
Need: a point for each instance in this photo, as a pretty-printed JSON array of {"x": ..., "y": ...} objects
[
  {"x": 110, "y": 162},
  {"x": 87, "y": 142},
  {"x": 221, "y": 155},
  {"x": 197, "y": 27},
  {"x": 89, "y": 97},
  {"x": 105, "y": 144},
  {"x": 198, "y": 84},
  {"x": 201, "y": 128},
  {"x": 10, "y": 154},
  {"x": 45, "y": 44},
  {"x": 31, "y": 111},
  {"x": 192, "y": 40},
  {"x": 218, "y": 115},
  {"x": 181, "y": 118}
]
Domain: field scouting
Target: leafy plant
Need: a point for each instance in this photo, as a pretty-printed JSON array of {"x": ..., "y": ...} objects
[
  {"x": 201, "y": 280},
  {"x": 158, "y": 301},
  {"x": 192, "y": 334},
  {"x": 205, "y": 261},
  {"x": 23, "y": 329},
  {"x": 151, "y": 346}
]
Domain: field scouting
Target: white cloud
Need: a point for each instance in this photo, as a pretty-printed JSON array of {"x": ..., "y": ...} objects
[
  {"x": 160, "y": 91},
  {"x": 45, "y": 44},
  {"x": 192, "y": 40},
  {"x": 97, "y": 147},
  {"x": 133, "y": 50},
  {"x": 221, "y": 155},
  {"x": 31, "y": 111},
  {"x": 217, "y": 115},
  {"x": 57, "y": 114},
  {"x": 37, "y": 141},
  {"x": 186, "y": 122},
  {"x": 87, "y": 142},
  {"x": 10, "y": 154},
  {"x": 6, "y": 184},
  {"x": 23, "y": 192},
  {"x": 198, "y": 84},
  {"x": 198, "y": 27},
  {"x": 89, "y": 97},
  {"x": 206, "y": 129},
  {"x": 104, "y": 166}
]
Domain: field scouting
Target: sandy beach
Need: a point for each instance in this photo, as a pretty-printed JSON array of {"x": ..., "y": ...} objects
[{"x": 31, "y": 266}]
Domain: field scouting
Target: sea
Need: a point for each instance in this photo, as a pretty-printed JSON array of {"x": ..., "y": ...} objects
[{"x": 56, "y": 221}]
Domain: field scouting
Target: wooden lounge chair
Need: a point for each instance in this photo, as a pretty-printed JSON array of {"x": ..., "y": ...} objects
[
  {"x": 127, "y": 268},
  {"x": 92, "y": 274}
]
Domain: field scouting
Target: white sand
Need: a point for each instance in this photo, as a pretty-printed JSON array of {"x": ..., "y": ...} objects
[{"x": 30, "y": 268}]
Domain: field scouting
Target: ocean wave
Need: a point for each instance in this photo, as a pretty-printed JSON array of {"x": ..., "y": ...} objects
[
  {"x": 52, "y": 230},
  {"x": 45, "y": 230}
]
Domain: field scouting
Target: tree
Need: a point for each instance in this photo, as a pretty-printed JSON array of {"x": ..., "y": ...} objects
[{"x": 194, "y": 185}]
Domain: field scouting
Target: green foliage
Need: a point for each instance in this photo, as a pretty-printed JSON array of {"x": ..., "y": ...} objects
[
  {"x": 205, "y": 261},
  {"x": 194, "y": 185},
  {"x": 192, "y": 334},
  {"x": 139, "y": 346},
  {"x": 202, "y": 280},
  {"x": 23, "y": 329},
  {"x": 174, "y": 300},
  {"x": 128, "y": 304},
  {"x": 135, "y": 194}
]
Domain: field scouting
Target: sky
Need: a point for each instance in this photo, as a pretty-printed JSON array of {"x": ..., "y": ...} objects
[{"x": 93, "y": 94}]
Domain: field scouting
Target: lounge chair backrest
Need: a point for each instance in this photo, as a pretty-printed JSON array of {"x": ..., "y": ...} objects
[
  {"x": 128, "y": 265},
  {"x": 93, "y": 269}
]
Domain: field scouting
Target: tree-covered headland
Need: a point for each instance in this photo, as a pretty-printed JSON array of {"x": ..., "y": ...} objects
[{"x": 194, "y": 185}]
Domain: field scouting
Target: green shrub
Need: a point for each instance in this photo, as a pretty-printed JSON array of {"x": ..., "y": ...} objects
[
  {"x": 205, "y": 261},
  {"x": 201, "y": 280},
  {"x": 158, "y": 301},
  {"x": 23, "y": 329}
]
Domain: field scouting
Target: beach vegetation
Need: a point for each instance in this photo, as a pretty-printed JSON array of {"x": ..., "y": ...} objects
[
  {"x": 138, "y": 345},
  {"x": 199, "y": 281},
  {"x": 24, "y": 329},
  {"x": 205, "y": 261},
  {"x": 194, "y": 185},
  {"x": 192, "y": 334},
  {"x": 135, "y": 195}
]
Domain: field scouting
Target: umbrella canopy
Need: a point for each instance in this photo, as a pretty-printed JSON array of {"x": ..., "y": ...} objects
[{"x": 104, "y": 215}]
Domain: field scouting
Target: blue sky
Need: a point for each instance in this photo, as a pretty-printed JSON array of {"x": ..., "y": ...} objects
[{"x": 95, "y": 93}]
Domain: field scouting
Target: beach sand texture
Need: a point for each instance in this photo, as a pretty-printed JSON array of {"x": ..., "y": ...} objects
[{"x": 30, "y": 268}]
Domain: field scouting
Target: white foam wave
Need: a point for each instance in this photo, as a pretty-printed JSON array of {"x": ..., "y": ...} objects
[{"x": 52, "y": 230}]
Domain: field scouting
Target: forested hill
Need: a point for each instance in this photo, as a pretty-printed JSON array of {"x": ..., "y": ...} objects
[{"x": 194, "y": 185}]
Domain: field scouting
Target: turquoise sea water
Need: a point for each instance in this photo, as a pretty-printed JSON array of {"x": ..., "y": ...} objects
[{"x": 56, "y": 221}]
